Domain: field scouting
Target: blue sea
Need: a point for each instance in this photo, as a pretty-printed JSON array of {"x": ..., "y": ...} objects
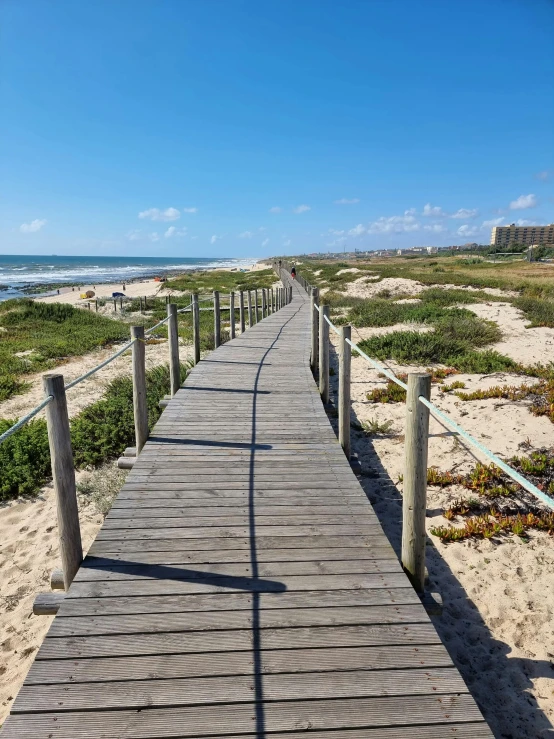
[{"x": 18, "y": 272}]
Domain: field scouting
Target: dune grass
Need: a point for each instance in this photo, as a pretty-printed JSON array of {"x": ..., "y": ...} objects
[{"x": 38, "y": 336}]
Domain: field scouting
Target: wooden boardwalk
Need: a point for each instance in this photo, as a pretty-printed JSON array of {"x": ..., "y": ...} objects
[{"x": 241, "y": 584}]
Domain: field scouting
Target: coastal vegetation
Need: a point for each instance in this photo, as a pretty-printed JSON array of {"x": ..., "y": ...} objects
[
  {"x": 482, "y": 516},
  {"x": 454, "y": 335},
  {"x": 99, "y": 433},
  {"x": 35, "y": 337}
]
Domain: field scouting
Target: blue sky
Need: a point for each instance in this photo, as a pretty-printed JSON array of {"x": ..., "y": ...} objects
[{"x": 256, "y": 127}]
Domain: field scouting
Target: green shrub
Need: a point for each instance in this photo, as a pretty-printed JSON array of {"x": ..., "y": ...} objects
[
  {"x": 104, "y": 429},
  {"x": 24, "y": 459},
  {"x": 539, "y": 311},
  {"x": 100, "y": 432},
  {"x": 10, "y": 385},
  {"x": 410, "y": 347}
]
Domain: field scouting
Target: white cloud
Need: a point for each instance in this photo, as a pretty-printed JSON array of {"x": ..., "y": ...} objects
[
  {"x": 465, "y": 213},
  {"x": 432, "y": 210},
  {"x": 172, "y": 231},
  {"x": 335, "y": 232},
  {"x": 190, "y": 210},
  {"x": 346, "y": 201},
  {"x": 262, "y": 228},
  {"x": 357, "y": 230},
  {"x": 525, "y": 222},
  {"x": 467, "y": 230},
  {"x": 134, "y": 235},
  {"x": 546, "y": 174},
  {"x": 246, "y": 235},
  {"x": 436, "y": 228},
  {"x": 493, "y": 222},
  {"x": 155, "y": 214},
  {"x": 154, "y": 236},
  {"x": 395, "y": 224},
  {"x": 36, "y": 225},
  {"x": 301, "y": 209},
  {"x": 524, "y": 201},
  {"x": 275, "y": 209},
  {"x": 215, "y": 238},
  {"x": 286, "y": 243},
  {"x": 265, "y": 242}
]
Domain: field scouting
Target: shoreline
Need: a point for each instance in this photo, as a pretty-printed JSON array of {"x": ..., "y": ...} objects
[{"x": 37, "y": 290}]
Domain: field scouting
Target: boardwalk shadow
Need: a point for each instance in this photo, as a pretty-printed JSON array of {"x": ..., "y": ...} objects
[
  {"x": 499, "y": 682},
  {"x": 182, "y": 574},
  {"x": 209, "y": 443}
]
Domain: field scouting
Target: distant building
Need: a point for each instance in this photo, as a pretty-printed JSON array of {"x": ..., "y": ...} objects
[{"x": 512, "y": 234}]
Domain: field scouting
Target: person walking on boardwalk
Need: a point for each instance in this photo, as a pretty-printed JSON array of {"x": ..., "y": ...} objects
[{"x": 293, "y": 272}]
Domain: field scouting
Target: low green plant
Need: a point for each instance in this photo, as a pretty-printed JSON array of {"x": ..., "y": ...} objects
[
  {"x": 486, "y": 526},
  {"x": 38, "y": 336},
  {"x": 374, "y": 427},
  {"x": 100, "y": 432},
  {"x": 24, "y": 459},
  {"x": 456, "y": 385},
  {"x": 104, "y": 429},
  {"x": 539, "y": 311}
]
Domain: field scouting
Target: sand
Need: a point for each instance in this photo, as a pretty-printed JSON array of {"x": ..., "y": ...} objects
[
  {"x": 28, "y": 554},
  {"x": 93, "y": 388},
  {"x": 402, "y": 286},
  {"x": 140, "y": 288},
  {"x": 145, "y": 288},
  {"x": 499, "y": 598}
]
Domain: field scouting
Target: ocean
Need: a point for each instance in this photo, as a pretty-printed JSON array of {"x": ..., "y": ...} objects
[{"x": 18, "y": 272}]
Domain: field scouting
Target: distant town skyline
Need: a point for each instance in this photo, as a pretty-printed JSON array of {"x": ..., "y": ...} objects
[{"x": 247, "y": 129}]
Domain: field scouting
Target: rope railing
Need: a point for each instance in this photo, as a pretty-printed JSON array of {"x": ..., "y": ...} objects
[
  {"x": 25, "y": 419},
  {"x": 419, "y": 407},
  {"x": 57, "y": 418},
  {"x": 442, "y": 417}
]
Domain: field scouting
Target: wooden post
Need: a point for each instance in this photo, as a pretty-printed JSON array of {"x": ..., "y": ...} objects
[
  {"x": 196, "y": 328},
  {"x": 241, "y": 311},
  {"x": 232, "y": 314},
  {"x": 414, "y": 502},
  {"x": 249, "y": 298},
  {"x": 173, "y": 340},
  {"x": 63, "y": 472},
  {"x": 256, "y": 316},
  {"x": 96, "y": 303},
  {"x": 323, "y": 353},
  {"x": 217, "y": 320},
  {"x": 345, "y": 357},
  {"x": 145, "y": 308},
  {"x": 140, "y": 408},
  {"x": 315, "y": 329},
  {"x": 264, "y": 304},
  {"x": 114, "y": 306}
]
